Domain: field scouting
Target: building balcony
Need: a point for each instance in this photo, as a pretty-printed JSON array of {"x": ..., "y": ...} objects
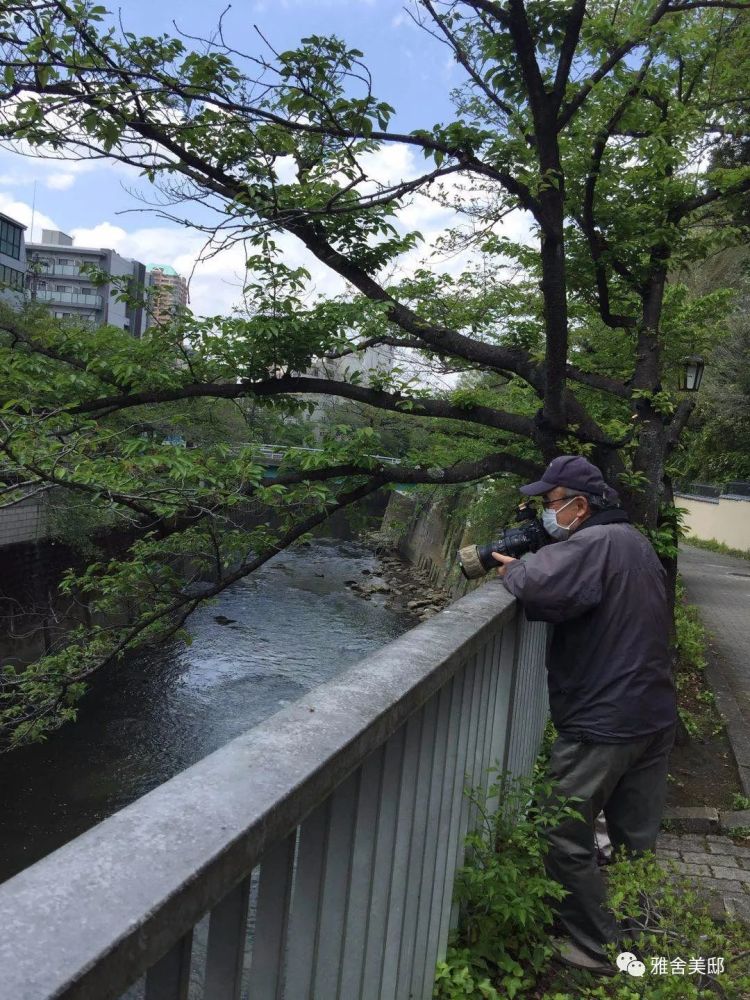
[
  {"x": 60, "y": 270},
  {"x": 69, "y": 298}
]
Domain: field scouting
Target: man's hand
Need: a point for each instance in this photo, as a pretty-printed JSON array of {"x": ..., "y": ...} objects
[{"x": 505, "y": 560}]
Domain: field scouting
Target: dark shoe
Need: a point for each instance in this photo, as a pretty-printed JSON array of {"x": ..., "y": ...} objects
[
  {"x": 557, "y": 928},
  {"x": 569, "y": 953}
]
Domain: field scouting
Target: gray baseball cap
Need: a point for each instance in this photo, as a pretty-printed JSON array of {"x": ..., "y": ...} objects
[{"x": 574, "y": 472}]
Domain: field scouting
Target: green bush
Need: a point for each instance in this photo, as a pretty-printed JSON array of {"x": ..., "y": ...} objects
[
  {"x": 697, "y": 707},
  {"x": 671, "y": 922},
  {"x": 504, "y": 895},
  {"x": 500, "y": 948},
  {"x": 460, "y": 977}
]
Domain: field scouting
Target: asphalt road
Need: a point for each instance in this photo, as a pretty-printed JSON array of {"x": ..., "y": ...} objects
[{"x": 720, "y": 586}]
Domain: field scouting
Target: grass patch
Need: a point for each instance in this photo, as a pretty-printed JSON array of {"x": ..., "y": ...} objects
[
  {"x": 696, "y": 701},
  {"x": 713, "y": 546}
]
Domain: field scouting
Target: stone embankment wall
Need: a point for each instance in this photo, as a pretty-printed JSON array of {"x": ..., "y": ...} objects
[
  {"x": 32, "y": 614},
  {"x": 24, "y": 522},
  {"x": 427, "y": 530}
]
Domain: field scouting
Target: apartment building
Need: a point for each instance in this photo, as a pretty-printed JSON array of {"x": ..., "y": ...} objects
[
  {"x": 380, "y": 358},
  {"x": 169, "y": 293},
  {"x": 55, "y": 278},
  {"x": 12, "y": 260}
]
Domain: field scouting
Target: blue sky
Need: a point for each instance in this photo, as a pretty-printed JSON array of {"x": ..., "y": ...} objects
[{"x": 411, "y": 71}]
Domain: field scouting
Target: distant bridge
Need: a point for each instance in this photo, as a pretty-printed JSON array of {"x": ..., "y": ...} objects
[{"x": 275, "y": 453}]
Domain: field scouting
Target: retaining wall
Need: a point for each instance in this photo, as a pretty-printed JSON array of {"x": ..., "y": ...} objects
[{"x": 725, "y": 518}]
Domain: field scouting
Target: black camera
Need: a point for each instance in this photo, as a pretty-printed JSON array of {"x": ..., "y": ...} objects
[{"x": 475, "y": 560}]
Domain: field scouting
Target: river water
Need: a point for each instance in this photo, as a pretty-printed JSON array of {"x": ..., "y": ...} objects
[{"x": 291, "y": 626}]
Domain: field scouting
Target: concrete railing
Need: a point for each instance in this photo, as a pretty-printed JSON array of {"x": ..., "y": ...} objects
[{"x": 312, "y": 858}]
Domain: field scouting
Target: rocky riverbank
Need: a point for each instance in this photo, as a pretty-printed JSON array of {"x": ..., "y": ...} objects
[{"x": 404, "y": 587}]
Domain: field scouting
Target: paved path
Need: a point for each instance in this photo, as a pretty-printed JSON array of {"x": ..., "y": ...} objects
[
  {"x": 716, "y": 868},
  {"x": 720, "y": 586}
]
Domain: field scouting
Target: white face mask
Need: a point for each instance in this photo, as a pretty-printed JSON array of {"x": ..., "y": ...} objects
[{"x": 553, "y": 529}]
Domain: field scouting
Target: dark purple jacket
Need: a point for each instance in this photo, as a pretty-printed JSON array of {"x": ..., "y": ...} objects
[{"x": 609, "y": 665}]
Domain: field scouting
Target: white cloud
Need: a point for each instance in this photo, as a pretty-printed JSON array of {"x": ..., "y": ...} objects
[
  {"x": 391, "y": 163},
  {"x": 104, "y": 235},
  {"x": 23, "y": 164},
  {"x": 60, "y": 182}
]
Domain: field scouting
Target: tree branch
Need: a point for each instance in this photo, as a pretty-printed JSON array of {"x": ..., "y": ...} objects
[
  {"x": 512, "y": 422},
  {"x": 443, "y": 339},
  {"x": 691, "y": 204},
  {"x": 518, "y": 26},
  {"x": 374, "y": 342},
  {"x": 679, "y": 422},
  {"x": 462, "y": 57},
  {"x": 587, "y": 222},
  {"x": 570, "y": 107},
  {"x": 461, "y": 472},
  {"x": 570, "y": 41},
  {"x": 603, "y": 382}
]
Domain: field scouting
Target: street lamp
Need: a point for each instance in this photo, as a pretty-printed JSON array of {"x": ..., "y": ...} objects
[{"x": 691, "y": 373}]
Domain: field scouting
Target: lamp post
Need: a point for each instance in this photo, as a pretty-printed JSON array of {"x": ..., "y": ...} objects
[{"x": 691, "y": 373}]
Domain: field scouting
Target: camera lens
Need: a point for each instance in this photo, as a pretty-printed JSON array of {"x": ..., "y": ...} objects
[{"x": 476, "y": 560}]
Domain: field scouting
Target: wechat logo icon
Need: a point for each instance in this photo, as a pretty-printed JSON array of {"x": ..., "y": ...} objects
[{"x": 627, "y": 962}]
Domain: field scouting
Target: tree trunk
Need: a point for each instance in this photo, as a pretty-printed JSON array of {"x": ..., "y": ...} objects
[{"x": 682, "y": 737}]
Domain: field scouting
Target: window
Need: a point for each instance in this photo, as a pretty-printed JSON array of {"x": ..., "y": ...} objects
[
  {"x": 10, "y": 239},
  {"x": 10, "y": 276}
]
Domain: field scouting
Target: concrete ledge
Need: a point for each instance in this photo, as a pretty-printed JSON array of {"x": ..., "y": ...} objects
[
  {"x": 734, "y": 820},
  {"x": 692, "y": 819},
  {"x": 697, "y": 496}
]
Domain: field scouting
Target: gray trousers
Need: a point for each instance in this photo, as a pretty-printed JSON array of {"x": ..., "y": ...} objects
[{"x": 628, "y": 781}]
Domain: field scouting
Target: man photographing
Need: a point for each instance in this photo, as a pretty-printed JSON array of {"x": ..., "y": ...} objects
[{"x": 611, "y": 693}]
